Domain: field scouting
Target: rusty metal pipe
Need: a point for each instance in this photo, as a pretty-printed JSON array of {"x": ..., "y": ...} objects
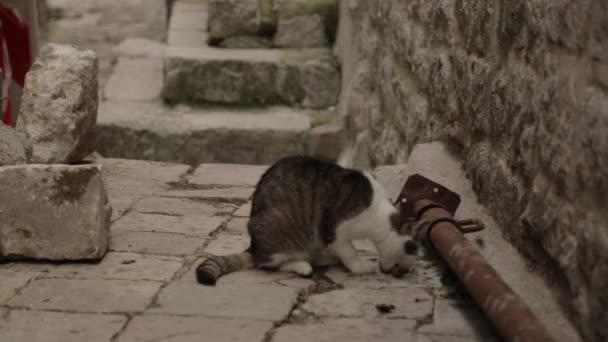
[{"x": 509, "y": 314}]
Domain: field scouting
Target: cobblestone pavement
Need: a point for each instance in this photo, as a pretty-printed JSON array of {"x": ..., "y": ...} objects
[{"x": 168, "y": 218}]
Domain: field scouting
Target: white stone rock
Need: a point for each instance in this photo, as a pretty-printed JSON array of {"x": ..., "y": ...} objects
[
  {"x": 58, "y": 111},
  {"x": 57, "y": 212},
  {"x": 14, "y": 149}
]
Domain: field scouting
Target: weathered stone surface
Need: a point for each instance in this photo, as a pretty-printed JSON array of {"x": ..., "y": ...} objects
[
  {"x": 356, "y": 330},
  {"x": 198, "y": 226},
  {"x": 229, "y": 18},
  {"x": 326, "y": 141},
  {"x": 410, "y": 303},
  {"x": 231, "y": 194},
  {"x": 301, "y": 31},
  {"x": 255, "y": 76},
  {"x": 135, "y": 79},
  {"x": 243, "y": 211},
  {"x": 453, "y": 318},
  {"x": 14, "y": 149},
  {"x": 195, "y": 136},
  {"x": 246, "y": 42},
  {"x": 226, "y": 174},
  {"x": 57, "y": 212},
  {"x": 228, "y": 300},
  {"x": 175, "y": 328},
  {"x": 31, "y": 326},
  {"x": 94, "y": 296},
  {"x": 12, "y": 280},
  {"x": 490, "y": 78},
  {"x": 305, "y": 23},
  {"x": 155, "y": 243},
  {"x": 140, "y": 48},
  {"x": 58, "y": 110},
  {"x": 182, "y": 207},
  {"x": 237, "y": 225},
  {"x": 228, "y": 244},
  {"x": 127, "y": 266}
]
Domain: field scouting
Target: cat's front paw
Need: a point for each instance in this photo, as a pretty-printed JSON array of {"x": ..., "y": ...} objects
[{"x": 362, "y": 266}]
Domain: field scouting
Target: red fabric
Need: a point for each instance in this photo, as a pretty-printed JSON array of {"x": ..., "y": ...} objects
[{"x": 17, "y": 36}]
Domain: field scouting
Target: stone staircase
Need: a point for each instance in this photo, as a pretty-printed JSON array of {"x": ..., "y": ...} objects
[{"x": 242, "y": 81}]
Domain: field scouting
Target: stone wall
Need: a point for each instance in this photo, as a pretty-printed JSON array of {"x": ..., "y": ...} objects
[{"x": 520, "y": 90}]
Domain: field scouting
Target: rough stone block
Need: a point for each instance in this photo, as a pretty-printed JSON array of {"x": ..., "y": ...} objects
[
  {"x": 58, "y": 110},
  {"x": 57, "y": 212},
  {"x": 30, "y": 326},
  {"x": 135, "y": 79},
  {"x": 229, "y": 18},
  {"x": 227, "y": 301},
  {"x": 253, "y": 76},
  {"x": 94, "y": 296},
  {"x": 14, "y": 149},
  {"x": 168, "y": 328},
  {"x": 305, "y": 23}
]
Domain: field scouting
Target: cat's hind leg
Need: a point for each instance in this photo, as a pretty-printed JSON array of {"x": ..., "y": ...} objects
[{"x": 301, "y": 267}]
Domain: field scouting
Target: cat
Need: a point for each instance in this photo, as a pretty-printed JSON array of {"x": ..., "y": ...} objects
[{"x": 306, "y": 212}]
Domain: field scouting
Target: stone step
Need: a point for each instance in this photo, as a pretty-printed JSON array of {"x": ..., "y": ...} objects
[
  {"x": 306, "y": 77},
  {"x": 152, "y": 131}
]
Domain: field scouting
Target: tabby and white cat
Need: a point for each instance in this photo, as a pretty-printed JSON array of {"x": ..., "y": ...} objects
[{"x": 306, "y": 213}]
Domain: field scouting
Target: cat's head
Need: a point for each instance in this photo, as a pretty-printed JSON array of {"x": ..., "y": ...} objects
[{"x": 398, "y": 256}]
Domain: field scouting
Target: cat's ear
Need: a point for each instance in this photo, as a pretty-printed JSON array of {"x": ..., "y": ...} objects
[{"x": 410, "y": 247}]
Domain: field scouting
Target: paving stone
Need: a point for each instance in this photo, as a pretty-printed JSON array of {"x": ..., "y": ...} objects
[
  {"x": 353, "y": 330},
  {"x": 379, "y": 281},
  {"x": 135, "y": 79},
  {"x": 231, "y": 194},
  {"x": 243, "y": 211},
  {"x": 203, "y": 135},
  {"x": 135, "y": 178},
  {"x": 54, "y": 212},
  {"x": 455, "y": 338},
  {"x": 140, "y": 47},
  {"x": 410, "y": 303},
  {"x": 37, "y": 326},
  {"x": 127, "y": 266},
  {"x": 155, "y": 243},
  {"x": 309, "y": 77},
  {"x": 120, "y": 205},
  {"x": 227, "y": 174},
  {"x": 14, "y": 148},
  {"x": 198, "y": 226},
  {"x": 308, "y": 285},
  {"x": 253, "y": 277},
  {"x": 237, "y": 225},
  {"x": 185, "y": 329},
  {"x": 228, "y": 244},
  {"x": 12, "y": 280},
  {"x": 95, "y": 296},
  {"x": 227, "y": 300},
  {"x": 453, "y": 318},
  {"x": 300, "y": 31},
  {"x": 181, "y": 207}
]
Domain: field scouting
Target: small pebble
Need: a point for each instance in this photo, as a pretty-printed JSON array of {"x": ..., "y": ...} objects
[{"x": 127, "y": 261}]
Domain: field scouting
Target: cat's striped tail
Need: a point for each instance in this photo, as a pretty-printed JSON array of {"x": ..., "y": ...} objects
[{"x": 210, "y": 270}]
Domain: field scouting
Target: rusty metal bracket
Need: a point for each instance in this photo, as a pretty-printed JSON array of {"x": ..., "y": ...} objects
[{"x": 428, "y": 209}]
